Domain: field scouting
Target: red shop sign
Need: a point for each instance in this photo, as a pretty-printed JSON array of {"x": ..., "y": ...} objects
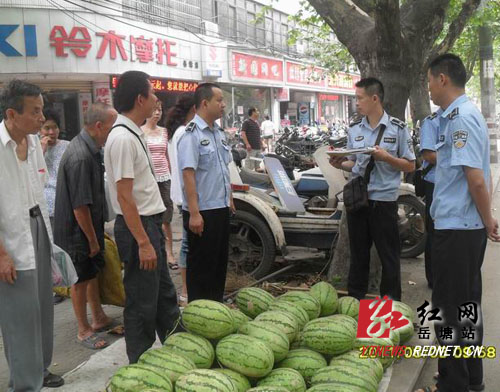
[
  {"x": 164, "y": 84},
  {"x": 305, "y": 75},
  {"x": 245, "y": 66},
  {"x": 328, "y": 97},
  {"x": 343, "y": 81}
]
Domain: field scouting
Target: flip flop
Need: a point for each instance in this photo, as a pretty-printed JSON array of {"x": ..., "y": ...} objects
[
  {"x": 91, "y": 342},
  {"x": 173, "y": 266}
]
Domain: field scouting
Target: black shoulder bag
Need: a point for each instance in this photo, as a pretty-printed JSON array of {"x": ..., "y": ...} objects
[
  {"x": 356, "y": 190},
  {"x": 419, "y": 182}
]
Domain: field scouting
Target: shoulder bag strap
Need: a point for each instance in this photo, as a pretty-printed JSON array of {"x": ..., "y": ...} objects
[{"x": 371, "y": 164}]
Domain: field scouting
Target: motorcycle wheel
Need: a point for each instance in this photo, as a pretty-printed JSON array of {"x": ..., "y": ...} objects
[
  {"x": 251, "y": 245},
  {"x": 411, "y": 211},
  {"x": 278, "y": 150}
]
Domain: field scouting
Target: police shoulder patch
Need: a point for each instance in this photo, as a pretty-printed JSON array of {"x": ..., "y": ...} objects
[
  {"x": 356, "y": 122},
  {"x": 453, "y": 114},
  {"x": 190, "y": 127},
  {"x": 460, "y": 138},
  {"x": 432, "y": 116},
  {"x": 398, "y": 122}
]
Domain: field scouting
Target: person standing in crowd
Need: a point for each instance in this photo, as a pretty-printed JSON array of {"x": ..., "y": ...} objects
[
  {"x": 250, "y": 133},
  {"x": 428, "y": 140},
  {"x": 151, "y": 299},
  {"x": 53, "y": 150},
  {"x": 26, "y": 305},
  {"x": 178, "y": 117},
  {"x": 463, "y": 222},
  {"x": 80, "y": 213},
  {"x": 207, "y": 198},
  {"x": 268, "y": 130},
  {"x": 157, "y": 141},
  {"x": 379, "y": 221}
]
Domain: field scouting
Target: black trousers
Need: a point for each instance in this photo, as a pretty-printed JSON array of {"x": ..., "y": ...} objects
[
  {"x": 377, "y": 223},
  {"x": 457, "y": 257},
  {"x": 207, "y": 255},
  {"x": 151, "y": 298},
  {"x": 429, "y": 229}
]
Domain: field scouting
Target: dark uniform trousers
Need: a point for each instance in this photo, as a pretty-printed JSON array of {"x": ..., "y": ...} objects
[
  {"x": 208, "y": 255},
  {"x": 377, "y": 223},
  {"x": 457, "y": 257},
  {"x": 429, "y": 229},
  {"x": 151, "y": 297}
]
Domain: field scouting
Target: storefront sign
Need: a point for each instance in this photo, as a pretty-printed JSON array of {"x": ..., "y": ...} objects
[
  {"x": 164, "y": 84},
  {"x": 213, "y": 58},
  {"x": 342, "y": 81},
  {"x": 253, "y": 68},
  {"x": 84, "y": 102},
  {"x": 328, "y": 97},
  {"x": 304, "y": 75},
  {"x": 102, "y": 93},
  {"x": 283, "y": 94},
  {"x": 304, "y": 116}
]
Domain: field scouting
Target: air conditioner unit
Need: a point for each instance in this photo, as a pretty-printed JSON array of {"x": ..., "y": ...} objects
[{"x": 210, "y": 28}]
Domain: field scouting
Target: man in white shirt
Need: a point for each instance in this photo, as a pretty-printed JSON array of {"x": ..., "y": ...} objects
[
  {"x": 26, "y": 305},
  {"x": 151, "y": 298},
  {"x": 268, "y": 130}
]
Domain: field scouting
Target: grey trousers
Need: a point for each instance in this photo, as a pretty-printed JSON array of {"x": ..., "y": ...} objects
[
  {"x": 27, "y": 317},
  {"x": 250, "y": 163}
]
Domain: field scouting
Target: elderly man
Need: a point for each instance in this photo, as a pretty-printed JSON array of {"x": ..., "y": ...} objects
[
  {"x": 26, "y": 307},
  {"x": 80, "y": 213}
]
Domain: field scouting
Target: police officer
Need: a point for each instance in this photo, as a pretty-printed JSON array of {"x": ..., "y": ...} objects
[
  {"x": 428, "y": 141},
  {"x": 379, "y": 222},
  {"x": 204, "y": 155},
  {"x": 461, "y": 210}
]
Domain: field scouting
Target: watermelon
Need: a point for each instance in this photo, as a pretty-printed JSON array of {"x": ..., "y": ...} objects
[
  {"x": 305, "y": 361},
  {"x": 329, "y": 335},
  {"x": 298, "y": 311},
  {"x": 352, "y": 358},
  {"x": 195, "y": 347},
  {"x": 349, "y": 305},
  {"x": 283, "y": 320},
  {"x": 245, "y": 354},
  {"x": 207, "y": 318},
  {"x": 272, "y": 335},
  {"x": 253, "y": 301},
  {"x": 298, "y": 342},
  {"x": 239, "y": 318},
  {"x": 310, "y": 304},
  {"x": 404, "y": 309},
  {"x": 394, "y": 336},
  {"x": 137, "y": 377},
  {"x": 327, "y": 296},
  {"x": 268, "y": 388},
  {"x": 285, "y": 377},
  {"x": 205, "y": 380},
  {"x": 335, "y": 386},
  {"x": 344, "y": 319},
  {"x": 239, "y": 380},
  {"x": 348, "y": 375},
  {"x": 406, "y": 332},
  {"x": 169, "y": 362},
  {"x": 386, "y": 361}
]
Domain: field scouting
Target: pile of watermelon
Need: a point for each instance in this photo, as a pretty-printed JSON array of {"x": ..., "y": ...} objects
[{"x": 301, "y": 341}]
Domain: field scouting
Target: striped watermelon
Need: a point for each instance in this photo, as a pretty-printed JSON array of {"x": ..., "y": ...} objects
[
  {"x": 239, "y": 318},
  {"x": 404, "y": 309},
  {"x": 344, "y": 319},
  {"x": 335, "y": 387},
  {"x": 283, "y": 320},
  {"x": 273, "y": 336},
  {"x": 268, "y": 388},
  {"x": 348, "y": 375},
  {"x": 352, "y": 358},
  {"x": 169, "y": 362},
  {"x": 310, "y": 304},
  {"x": 207, "y": 318},
  {"x": 195, "y": 347},
  {"x": 394, "y": 336},
  {"x": 137, "y": 377},
  {"x": 298, "y": 342},
  {"x": 291, "y": 379},
  {"x": 298, "y": 311},
  {"x": 349, "y": 305},
  {"x": 406, "y": 332},
  {"x": 204, "y": 380},
  {"x": 245, "y": 354},
  {"x": 253, "y": 301},
  {"x": 239, "y": 380},
  {"x": 386, "y": 361},
  {"x": 328, "y": 335},
  {"x": 305, "y": 361},
  {"x": 327, "y": 296}
]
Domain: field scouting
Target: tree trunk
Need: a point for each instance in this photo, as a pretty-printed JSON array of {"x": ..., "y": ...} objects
[{"x": 419, "y": 99}]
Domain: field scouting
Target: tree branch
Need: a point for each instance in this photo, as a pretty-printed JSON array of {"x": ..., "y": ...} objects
[{"x": 368, "y": 6}]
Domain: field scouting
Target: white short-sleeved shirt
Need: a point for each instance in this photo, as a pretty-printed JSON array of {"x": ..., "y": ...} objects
[
  {"x": 127, "y": 156},
  {"x": 267, "y": 127},
  {"x": 175, "y": 186}
]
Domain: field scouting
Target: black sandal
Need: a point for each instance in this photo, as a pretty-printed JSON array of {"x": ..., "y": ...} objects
[{"x": 173, "y": 266}]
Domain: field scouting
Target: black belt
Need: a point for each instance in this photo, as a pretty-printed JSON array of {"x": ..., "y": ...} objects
[{"x": 35, "y": 211}]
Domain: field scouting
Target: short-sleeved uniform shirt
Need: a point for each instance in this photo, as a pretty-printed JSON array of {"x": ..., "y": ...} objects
[
  {"x": 126, "y": 156},
  {"x": 463, "y": 141},
  {"x": 429, "y": 135},
  {"x": 80, "y": 182},
  {"x": 384, "y": 179},
  {"x": 206, "y": 150},
  {"x": 252, "y": 130}
]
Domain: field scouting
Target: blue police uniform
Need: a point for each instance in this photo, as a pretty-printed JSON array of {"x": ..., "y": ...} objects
[
  {"x": 429, "y": 135},
  {"x": 377, "y": 223},
  {"x": 205, "y": 149},
  {"x": 459, "y": 237}
]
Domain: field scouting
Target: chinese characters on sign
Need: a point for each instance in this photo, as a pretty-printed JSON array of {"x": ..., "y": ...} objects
[
  {"x": 342, "y": 80},
  {"x": 164, "y": 84},
  {"x": 300, "y": 74},
  {"x": 246, "y": 66}
]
